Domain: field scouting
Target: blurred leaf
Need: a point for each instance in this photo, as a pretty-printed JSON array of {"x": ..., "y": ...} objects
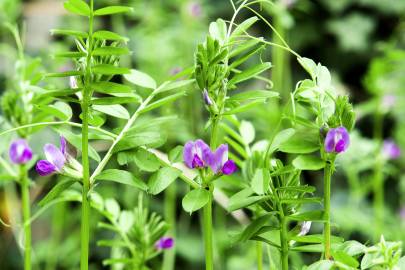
[
  {"x": 176, "y": 154},
  {"x": 254, "y": 94},
  {"x": 109, "y": 50},
  {"x": 260, "y": 181},
  {"x": 78, "y": 7},
  {"x": 316, "y": 215},
  {"x": 195, "y": 199},
  {"x": 141, "y": 79},
  {"x": 247, "y": 131},
  {"x": 56, "y": 191},
  {"x": 113, "y": 110},
  {"x": 249, "y": 73},
  {"x": 162, "y": 179},
  {"x": 122, "y": 177},
  {"x": 108, "y": 35},
  {"x": 112, "y": 10},
  {"x": 106, "y": 69},
  {"x": 308, "y": 162},
  {"x": 243, "y": 27}
]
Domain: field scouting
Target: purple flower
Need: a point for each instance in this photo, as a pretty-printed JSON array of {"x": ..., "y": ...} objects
[
  {"x": 196, "y": 154},
  {"x": 194, "y": 9},
  {"x": 337, "y": 140},
  {"x": 164, "y": 243},
  {"x": 402, "y": 213},
  {"x": 391, "y": 150},
  {"x": 20, "y": 152},
  {"x": 55, "y": 159},
  {"x": 207, "y": 98}
]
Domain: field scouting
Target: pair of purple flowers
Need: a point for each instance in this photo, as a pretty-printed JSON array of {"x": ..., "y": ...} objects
[
  {"x": 197, "y": 154},
  {"x": 21, "y": 153}
]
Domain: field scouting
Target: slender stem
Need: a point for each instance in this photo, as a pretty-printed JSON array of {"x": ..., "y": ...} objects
[
  {"x": 85, "y": 227},
  {"x": 259, "y": 255},
  {"x": 58, "y": 221},
  {"x": 119, "y": 137},
  {"x": 327, "y": 183},
  {"x": 283, "y": 239},
  {"x": 378, "y": 200},
  {"x": 25, "y": 194},
  {"x": 207, "y": 226},
  {"x": 169, "y": 256}
]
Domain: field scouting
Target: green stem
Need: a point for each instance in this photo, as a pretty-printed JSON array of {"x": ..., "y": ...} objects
[
  {"x": 58, "y": 221},
  {"x": 327, "y": 187},
  {"x": 25, "y": 193},
  {"x": 169, "y": 256},
  {"x": 284, "y": 241},
  {"x": 259, "y": 255},
  {"x": 378, "y": 200},
  {"x": 207, "y": 226},
  {"x": 85, "y": 227}
]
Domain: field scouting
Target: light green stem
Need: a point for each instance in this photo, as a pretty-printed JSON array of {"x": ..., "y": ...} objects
[
  {"x": 25, "y": 194},
  {"x": 378, "y": 200},
  {"x": 58, "y": 221},
  {"x": 259, "y": 255},
  {"x": 169, "y": 256},
  {"x": 327, "y": 193},
  {"x": 207, "y": 223},
  {"x": 85, "y": 227}
]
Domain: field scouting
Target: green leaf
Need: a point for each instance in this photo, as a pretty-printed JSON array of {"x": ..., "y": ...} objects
[
  {"x": 246, "y": 45},
  {"x": 308, "y": 162},
  {"x": 260, "y": 181},
  {"x": 112, "y": 10},
  {"x": 247, "y": 131},
  {"x": 70, "y": 54},
  {"x": 147, "y": 138},
  {"x": 254, "y": 227},
  {"x": 245, "y": 202},
  {"x": 107, "y": 35},
  {"x": 316, "y": 215},
  {"x": 64, "y": 74},
  {"x": 353, "y": 248},
  {"x": 78, "y": 7},
  {"x": 116, "y": 100},
  {"x": 162, "y": 179},
  {"x": 113, "y": 110},
  {"x": 141, "y": 79},
  {"x": 195, "y": 199},
  {"x": 60, "y": 110},
  {"x": 112, "y": 207},
  {"x": 344, "y": 258},
  {"x": 56, "y": 191},
  {"x": 218, "y": 30},
  {"x": 162, "y": 102},
  {"x": 175, "y": 85},
  {"x": 309, "y": 65},
  {"x": 106, "y": 69},
  {"x": 300, "y": 145},
  {"x": 317, "y": 248},
  {"x": 110, "y": 88},
  {"x": 280, "y": 138},
  {"x": 249, "y": 73},
  {"x": 243, "y": 27},
  {"x": 122, "y": 177},
  {"x": 176, "y": 154},
  {"x": 146, "y": 161},
  {"x": 244, "y": 107},
  {"x": 109, "y": 50},
  {"x": 254, "y": 94},
  {"x": 63, "y": 32},
  {"x": 321, "y": 265},
  {"x": 315, "y": 238}
]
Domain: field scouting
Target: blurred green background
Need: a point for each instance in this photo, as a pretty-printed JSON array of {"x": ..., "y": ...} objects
[{"x": 361, "y": 41}]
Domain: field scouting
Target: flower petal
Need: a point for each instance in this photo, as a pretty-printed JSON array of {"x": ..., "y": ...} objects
[
  {"x": 164, "y": 243},
  {"x": 197, "y": 162},
  {"x": 229, "y": 167},
  {"x": 219, "y": 158},
  {"x": 330, "y": 141},
  {"x": 63, "y": 145},
  {"x": 20, "y": 152},
  {"x": 54, "y": 156},
  {"x": 188, "y": 155},
  {"x": 44, "y": 168}
]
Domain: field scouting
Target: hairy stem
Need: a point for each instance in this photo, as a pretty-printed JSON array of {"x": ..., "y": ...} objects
[
  {"x": 327, "y": 183},
  {"x": 85, "y": 227},
  {"x": 25, "y": 194}
]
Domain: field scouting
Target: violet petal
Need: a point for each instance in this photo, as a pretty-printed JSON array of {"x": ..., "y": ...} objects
[
  {"x": 54, "y": 156},
  {"x": 20, "y": 152},
  {"x": 219, "y": 157},
  {"x": 44, "y": 168},
  {"x": 188, "y": 155},
  {"x": 229, "y": 167},
  {"x": 164, "y": 243}
]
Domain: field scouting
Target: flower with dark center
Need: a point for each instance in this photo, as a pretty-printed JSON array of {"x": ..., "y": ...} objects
[
  {"x": 337, "y": 140},
  {"x": 20, "y": 152},
  {"x": 196, "y": 154},
  {"x": 164, "y": 243}
]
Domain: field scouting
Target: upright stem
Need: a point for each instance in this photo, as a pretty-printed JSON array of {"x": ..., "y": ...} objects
[
  {"x": 169, "y": 256},
  {"x": 327, "y": 183},
  {"x": 378, "y": 199},
  {"x": 85, "y": 228},
  {"x": 378, "y": 179},
  {"x": 58, "y": 221},
  {"x": 25, "y": 193},
  {"x": 283, "y": 237},
  {"x": 259, "y": 255},
  {"x": 207, "y": 223}
]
